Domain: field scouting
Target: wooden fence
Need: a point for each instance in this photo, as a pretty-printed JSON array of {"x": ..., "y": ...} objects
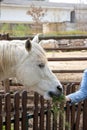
[
  {"x": 8, "y": 37},
  {"x": 15, "y": 114}
]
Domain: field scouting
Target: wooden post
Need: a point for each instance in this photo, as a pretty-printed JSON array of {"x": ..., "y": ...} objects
[
  {"x": 24, "y": 110},
  {"x": 6, "y": 86},
  {"x": 8, "y": 111}
]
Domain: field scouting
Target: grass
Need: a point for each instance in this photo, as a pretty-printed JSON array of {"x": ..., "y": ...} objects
[
  {"x": 25, "y": 30},
  {"x": 72, "y": 32},
  {"x": 16, "y": 30},
  {"x": 12, "y": 127}
]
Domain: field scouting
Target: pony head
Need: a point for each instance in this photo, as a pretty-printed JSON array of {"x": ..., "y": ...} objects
[
  {"x": 34, "y": 73},
  {"x": 26, "y": 60}
]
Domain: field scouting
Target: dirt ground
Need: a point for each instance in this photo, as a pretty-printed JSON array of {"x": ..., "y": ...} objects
[{"x": 68, "y": 65}]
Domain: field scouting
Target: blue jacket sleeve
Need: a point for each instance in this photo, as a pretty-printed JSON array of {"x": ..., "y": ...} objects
[
  {"x": 81, "y": 94},
  {"x": 77, "y": 96}
]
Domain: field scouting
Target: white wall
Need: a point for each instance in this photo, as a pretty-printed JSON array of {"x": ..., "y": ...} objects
[
  {"x": 14, "y": 14},
  {"x": 18, "y": 14}
]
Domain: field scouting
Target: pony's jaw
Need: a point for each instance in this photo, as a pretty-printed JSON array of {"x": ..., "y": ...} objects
[{"x": 49, "y": 91}]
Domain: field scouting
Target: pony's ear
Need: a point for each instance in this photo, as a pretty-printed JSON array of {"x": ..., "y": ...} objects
[
  {"x": 36, "y": 38},
  {"x": 28, "y": 45}
]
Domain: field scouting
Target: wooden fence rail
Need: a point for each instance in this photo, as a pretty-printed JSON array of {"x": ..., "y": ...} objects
[
  {"x": 7, "y": 36},
  {"x": 51, "y": 37}
]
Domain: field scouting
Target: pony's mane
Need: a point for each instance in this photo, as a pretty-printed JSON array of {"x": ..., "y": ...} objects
[
  {"x": 7, "y": 55},
  {"x": 11, "y": 50}
]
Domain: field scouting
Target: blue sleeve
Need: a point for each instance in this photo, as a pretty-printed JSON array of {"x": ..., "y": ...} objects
[
  {"x": 81, "y": 94},
  {"x": 77, "y": 96}
]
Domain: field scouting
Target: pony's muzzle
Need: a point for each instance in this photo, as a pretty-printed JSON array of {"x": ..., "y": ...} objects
[
  {"x": 59, "y": 88},
  {"x": 57, "y": 93}
]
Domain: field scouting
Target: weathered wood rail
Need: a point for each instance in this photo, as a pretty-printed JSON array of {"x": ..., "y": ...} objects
[{"x": 51, "y": 37}]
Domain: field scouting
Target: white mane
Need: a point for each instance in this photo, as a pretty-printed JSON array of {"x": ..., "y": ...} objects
[
  {"x": 13, "y": 51},
  {"x": 7, "y": 57}
]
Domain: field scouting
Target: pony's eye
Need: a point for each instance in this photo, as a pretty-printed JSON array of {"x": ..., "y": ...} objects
[{"x": 41, "y": 65}]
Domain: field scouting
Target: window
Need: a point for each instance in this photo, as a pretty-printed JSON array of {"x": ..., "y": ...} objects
[{"x": 72, "y": 19}]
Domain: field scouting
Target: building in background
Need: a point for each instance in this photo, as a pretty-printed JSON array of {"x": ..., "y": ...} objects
[{"x": 59, "y": 16}]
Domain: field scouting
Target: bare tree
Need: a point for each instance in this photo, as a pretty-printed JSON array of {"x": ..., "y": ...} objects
[{"x": 37, "y": 13}]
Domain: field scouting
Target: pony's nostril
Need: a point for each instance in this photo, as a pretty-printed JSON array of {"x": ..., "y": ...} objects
[{"x": 59, "y": 88}]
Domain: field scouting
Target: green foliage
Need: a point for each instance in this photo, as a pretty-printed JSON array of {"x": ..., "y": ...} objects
[
  {"x": 56, "y": 102},
  {"x": 4, "y": 29},
  {"x": 12, "y": 127},
  {"x": 74, "y": 32},
  {"x": 25, "y": 30},
  {"x": 60, "y": 99},
  {"x": 58, "y": 109},
  {"x": 16, "y": 29},
  {"x": 21, "y": 30}
]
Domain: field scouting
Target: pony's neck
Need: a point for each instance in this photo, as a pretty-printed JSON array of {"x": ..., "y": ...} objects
[{"x": 9, "y": 58}]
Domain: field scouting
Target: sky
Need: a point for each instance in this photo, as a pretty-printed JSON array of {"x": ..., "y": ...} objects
[{"x": 70, "y": 1}]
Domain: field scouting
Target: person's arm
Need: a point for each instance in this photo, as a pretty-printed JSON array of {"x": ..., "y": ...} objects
[
  {"x": 76, "y": 97},
  {"x": 81, "y": 94}
]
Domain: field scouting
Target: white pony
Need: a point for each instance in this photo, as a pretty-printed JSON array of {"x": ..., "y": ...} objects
[{"x": 26, "y": 60}]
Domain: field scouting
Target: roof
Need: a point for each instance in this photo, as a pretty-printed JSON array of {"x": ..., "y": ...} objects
[{"x": 26, "y": 3}]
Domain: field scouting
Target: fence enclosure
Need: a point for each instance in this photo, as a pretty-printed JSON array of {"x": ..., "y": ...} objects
[{"x": 15, "y": 114}]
